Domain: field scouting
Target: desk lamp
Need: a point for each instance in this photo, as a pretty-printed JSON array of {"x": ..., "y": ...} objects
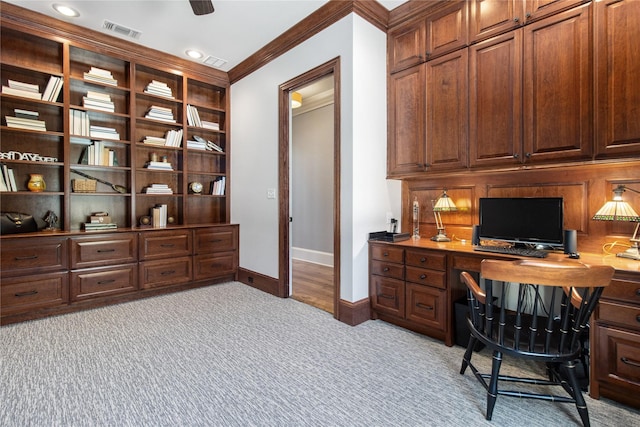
[
  {"x": 443, "y": 204},
  {"x": 619, "y": 210}
]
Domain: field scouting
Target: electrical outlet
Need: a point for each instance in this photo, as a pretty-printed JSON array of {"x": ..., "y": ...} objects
[{"x": 271, "y": 193}]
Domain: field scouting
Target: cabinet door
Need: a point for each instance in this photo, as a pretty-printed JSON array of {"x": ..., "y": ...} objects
[
  {"x": 406, "y": 143},
  {"x": 617, "y": 31},
  {"x": 426, "y": 305},
  {"x": 28, "y": 293},
  {"x": 537, "y": 9},
  {"x": 447, "y": 111},
  {"x": 489, "y": 18},
  {"x": 387, "y": 295},
  {"x": 447, "y": 30},
  {"x": 406, "y": 46},
  {"x": 558, "y": 87},
  {"x": 495, "y": 100}
]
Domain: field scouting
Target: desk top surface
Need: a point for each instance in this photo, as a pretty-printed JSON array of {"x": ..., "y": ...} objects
[{"x": 620, "y": 264}]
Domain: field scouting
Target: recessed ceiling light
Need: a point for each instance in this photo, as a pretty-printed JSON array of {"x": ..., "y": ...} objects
[
  {"x": 194, "y": 54},
  {"x": 66, "y": 10}
]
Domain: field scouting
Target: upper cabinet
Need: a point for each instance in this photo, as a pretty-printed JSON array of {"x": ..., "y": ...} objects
[
  {"x": 406, "y": 46},
  {"x": 617, "y": 69}
]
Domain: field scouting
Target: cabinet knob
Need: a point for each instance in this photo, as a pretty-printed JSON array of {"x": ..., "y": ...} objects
[
  {"x": 516, "y": 155},
  {"x": 638, "y": 292},
  {"x": 427, "y": 54},
  {"x": 528, "y": 155},
  {"x": 423, "y": 259},
  {"x": 527, "y": 15},
  {"x": 385, "y": 254},
  {"x": 630, "y": 362},
  {"x": 516, "y": 19},
  {"x": 385, "y": 269},
  {"x": 423, "y": 276}
]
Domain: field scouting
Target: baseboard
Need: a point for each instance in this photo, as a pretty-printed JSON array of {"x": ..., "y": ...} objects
[
  {"x": 309, "y": 255},
  {"x": 354, "y": 313},
  {"x": 259, "y": 281}
]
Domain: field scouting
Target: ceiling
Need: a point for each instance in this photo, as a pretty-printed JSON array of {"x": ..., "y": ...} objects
[{"x": 236, "y": 30}]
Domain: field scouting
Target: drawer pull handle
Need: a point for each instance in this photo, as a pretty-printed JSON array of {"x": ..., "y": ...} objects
[
  {"x": 26, "y": 294},
  {"x": 385, "y": 254},
  {"x": 104, "y": 282},
  {"x": 387, "y": 296},
  {"x": 638, "y": 292},
  {"x": 630, "y": 362},
  {"x": 385, "y": 269},
  {"x": 426, "y": 307},
  {"x": 216, "y": 240},
  {"x": 423, "y": 259},
  {"x": 23, "y": 258},
  {"x": 167, "y": 273},
  {"x": 423, "y": 276},
  {"x": 105, "y": 250},
  {"x": 167, "y": 245}
]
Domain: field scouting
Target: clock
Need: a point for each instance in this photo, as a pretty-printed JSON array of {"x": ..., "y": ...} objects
[{"x": 195, "y": 187}]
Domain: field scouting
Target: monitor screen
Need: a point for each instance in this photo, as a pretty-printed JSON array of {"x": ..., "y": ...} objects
[{"x": 527, "y": 220}]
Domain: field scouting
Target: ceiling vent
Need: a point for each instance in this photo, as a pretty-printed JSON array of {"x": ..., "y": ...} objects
[
  {"x": 214, "y": 62},
  {"x": 121, "y": 29}
]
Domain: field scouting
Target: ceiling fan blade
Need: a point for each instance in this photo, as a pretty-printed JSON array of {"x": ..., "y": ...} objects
[{"x": 201, "y": 7}]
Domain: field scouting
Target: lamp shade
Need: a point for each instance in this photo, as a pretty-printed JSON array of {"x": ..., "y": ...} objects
[
  {"x": 617, "y": 209},
  {"x": 444, "y": 204}
]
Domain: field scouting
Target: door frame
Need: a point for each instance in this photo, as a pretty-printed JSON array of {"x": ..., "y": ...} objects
[{"x": 284, "y": 123}]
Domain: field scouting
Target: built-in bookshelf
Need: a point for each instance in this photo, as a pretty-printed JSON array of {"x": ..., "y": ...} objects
[{"x": 119, "y": 107}]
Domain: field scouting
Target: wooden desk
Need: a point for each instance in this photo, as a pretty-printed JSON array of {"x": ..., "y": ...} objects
[{"x": 415, "y": 283}]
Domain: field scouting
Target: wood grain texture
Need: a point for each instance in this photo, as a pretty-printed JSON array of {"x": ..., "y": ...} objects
[{"x": 313, "y": 284}]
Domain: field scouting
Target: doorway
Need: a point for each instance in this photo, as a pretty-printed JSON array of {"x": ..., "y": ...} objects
[{"x": 304, "y": 264}]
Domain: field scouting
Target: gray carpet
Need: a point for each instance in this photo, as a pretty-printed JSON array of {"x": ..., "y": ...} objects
[{"x": 230, "y": 355}]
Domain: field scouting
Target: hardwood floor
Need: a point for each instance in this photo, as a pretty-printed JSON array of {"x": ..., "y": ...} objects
[{"x": 313, "y": 284}]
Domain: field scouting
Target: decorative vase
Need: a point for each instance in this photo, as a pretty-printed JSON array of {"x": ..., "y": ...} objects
[{"x": 36, "y": 183}]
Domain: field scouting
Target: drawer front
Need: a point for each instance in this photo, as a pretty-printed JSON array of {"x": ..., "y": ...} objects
[
  {"x": 207, "y": 266},
  {"x": 426, "y": 259},
  {"x": 387, "y": 295},
  {"x": 103, "y": 250},
  {"x": 35, "y": 255},
  {"x": 426, "y": 305},
  {"x": 423, "y": 276},
  {"x": 623, "y": 290},
  {"x": 387, "y": 253},
  {"x": 619, "y": 365},
  {"x": 100, "y": 282},
  {"x": 212, "y": 240},
  {"x": 155, "y": 274},
  {"x": 388, "y": 269},
  {"x": 169, "y": 244},
  {"x": 26, "y": 293},
  {"x": 620, "y": 314}
]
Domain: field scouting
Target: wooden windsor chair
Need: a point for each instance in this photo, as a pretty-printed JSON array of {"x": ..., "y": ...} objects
[{"x": 545, "y": 321}]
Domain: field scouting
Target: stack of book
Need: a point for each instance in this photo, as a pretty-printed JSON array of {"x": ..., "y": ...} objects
[
  {"x": 8, "y": 181},
  {"x": 25, "y": 119},
  {"x": 158, "y": 88},
  {"x": 164, "y": 166},
  {"x": 159, "y": 216},
  {"x": 25, "y": 90},
  {"x": 218, "y": 186},
  {"x": 99, "y": 75},
  {"x": 199, "y": 143},
  {"x": 52, "y": 91},
  {"x": 100, "y": 221},
  {"x": 173, "y": 138},
  {"x": 193, "y": 118},
  {"x": 158, "y": 189},
  {"x": 79, "y": 122},
  {"x": 103, "y": 132},
  {"x": 160, "y": 113},
  {"x": 210, "y": 125},
  {"x": 99, "y": 154},
  {"x": 196, "y": 144},
  {"x": 98, "y": 101}
]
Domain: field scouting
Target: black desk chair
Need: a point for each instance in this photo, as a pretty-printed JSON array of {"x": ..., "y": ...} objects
[{"x": 545, "y": 322}]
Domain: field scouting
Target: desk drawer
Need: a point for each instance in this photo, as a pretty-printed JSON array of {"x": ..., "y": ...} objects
[
  {"x": 620, "y": 314},
  {"x": 387, "y": 253},
  {"x": 620, "y": 364},
  {"x": 426, "y": 305},
  {"x": 623, "y": 290},
  {"x": 27, "y": 293},
  {"x": 165, "y": 244},
  {"x": 36, "y": 255},
  {"x": 210, "y": 240},
  {"x": 387, "y": 295},
  {"x": 103, "y": 250},
  {"x": 159, "y": 273},
  {"x": 424, "y": 276},
  {"x": 100, "y": 282},
  {"x": 388, "y": 269},
  {"x": 210, "y": 266},
  {"x": 426, "y": 259}
]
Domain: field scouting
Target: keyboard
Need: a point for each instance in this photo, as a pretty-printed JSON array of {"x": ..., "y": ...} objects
[{"x": 528, "y": 252}]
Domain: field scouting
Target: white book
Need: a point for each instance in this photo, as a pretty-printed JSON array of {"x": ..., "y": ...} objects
[
  {"x": 19, "y": 92},
  {"x": 50, "y": 88},
  {"x": 23, "y": 86},
  {"x": 56, "y": 92},
  {"x": 12, "y": 181},
  {"x": 3, "y": 184}
]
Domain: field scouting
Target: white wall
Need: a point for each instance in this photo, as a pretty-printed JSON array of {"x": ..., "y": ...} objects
[{"x": 366, "y": 196}]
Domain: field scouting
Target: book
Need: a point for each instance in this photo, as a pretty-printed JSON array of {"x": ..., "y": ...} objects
[
  {"x": 20, "y": 92},
  {"x": 51, "y": 90},
  {"x": 12, "y": 180}
]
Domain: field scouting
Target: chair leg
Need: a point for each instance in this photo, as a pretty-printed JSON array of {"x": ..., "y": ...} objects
[
  {"x": 581, "y": 405},
  {"x": 466, "y": 359},
  {"x": 492, "y": 391}
]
